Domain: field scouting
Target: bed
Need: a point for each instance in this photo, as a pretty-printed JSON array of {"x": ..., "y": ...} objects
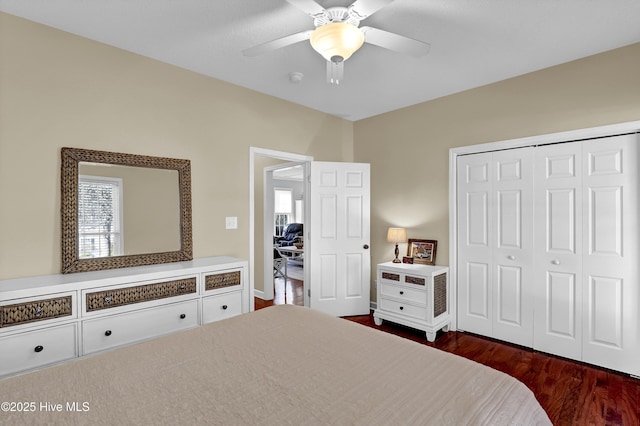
[{"x": 283, "y": 365}]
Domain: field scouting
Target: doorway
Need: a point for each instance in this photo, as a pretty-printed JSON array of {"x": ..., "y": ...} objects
[
  {"x": 261, "y": 241},
  {"x": 283, "y": 224}
]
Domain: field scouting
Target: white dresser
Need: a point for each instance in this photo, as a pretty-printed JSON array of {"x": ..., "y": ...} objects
[
  {"x": 48, "y": 319},
  {"x": 413, "y": 295}
]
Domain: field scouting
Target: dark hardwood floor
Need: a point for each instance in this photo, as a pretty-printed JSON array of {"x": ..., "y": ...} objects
[
  {"x": 571, "y": 393},
  {"x": 290, "y": 292}
]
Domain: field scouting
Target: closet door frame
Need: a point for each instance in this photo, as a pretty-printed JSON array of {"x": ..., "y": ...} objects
[{"x": 568, "y": 136}]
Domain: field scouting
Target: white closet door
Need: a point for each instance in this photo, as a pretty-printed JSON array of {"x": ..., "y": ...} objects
[
  {"x": 512, "y": 247},
  {"x": 475, "y": 234},
  {"x": 611, "y": 298},
  {"x": 558, "y": 249},
  {"x": 495, "y": 245}
]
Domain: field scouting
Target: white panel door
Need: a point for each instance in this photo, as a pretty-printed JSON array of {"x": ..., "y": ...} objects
[
  {"x": 475, "y": 240},
  {"x": 558, "y": 249},
  {"x": 611, "y": 298},
  {"x": 495, "y": 245},
  {"x": 512, "y": 251},
  {"x": 338, "y": 255}
]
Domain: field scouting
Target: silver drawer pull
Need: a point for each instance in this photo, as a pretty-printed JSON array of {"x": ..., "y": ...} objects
[
  {"x": 555, "y": 262},
  {"x": 182, "y": 287},
  {"x": 511, "y": 257},
  {"x": 38, "y": 311},
  {"x": 108, "y": 299}
]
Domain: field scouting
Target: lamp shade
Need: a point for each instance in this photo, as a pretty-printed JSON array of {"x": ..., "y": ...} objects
[
  {"x": 397, "y": 235},
  {"x": 337, "y": 41}
]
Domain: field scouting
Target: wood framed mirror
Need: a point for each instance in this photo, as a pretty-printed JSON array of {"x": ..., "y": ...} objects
[{"x": 123, "y": 210}]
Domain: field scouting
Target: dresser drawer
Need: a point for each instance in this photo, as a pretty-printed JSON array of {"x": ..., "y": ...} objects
[
  {"x": 403, "y": 293},
  {"x": 37, "y": 348},
  {"x": 404, "y": 309},
  {"x": 46, "y": 308},
  {"x": 219, "y": 280},
  {"x": 117, "y": 330},
  {"x": 121, "y": 296},
  {"x": 216, "y": 308}
]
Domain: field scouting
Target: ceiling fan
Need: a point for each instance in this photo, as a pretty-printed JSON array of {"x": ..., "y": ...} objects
[{"x": 338, "y": 35}]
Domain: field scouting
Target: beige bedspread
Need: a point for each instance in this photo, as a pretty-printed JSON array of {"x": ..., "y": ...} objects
[{"x": 283, "y": 365}]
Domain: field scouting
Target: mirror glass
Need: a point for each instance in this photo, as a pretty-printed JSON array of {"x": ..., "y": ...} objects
[
  {"x": 121, "y": 210},
  {"x": 124, "y": 210}
]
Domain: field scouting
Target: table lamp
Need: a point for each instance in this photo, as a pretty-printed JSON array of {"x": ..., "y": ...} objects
[{"x": 397, "y": 235}]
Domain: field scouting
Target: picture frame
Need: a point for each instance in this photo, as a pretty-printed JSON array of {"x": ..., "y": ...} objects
[{"x": 422, "y": 251}]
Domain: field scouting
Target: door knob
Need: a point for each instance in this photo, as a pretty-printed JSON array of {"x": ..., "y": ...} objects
[
  {"x": 555, "y": 262},
  {"x": 366, "y": 246}
]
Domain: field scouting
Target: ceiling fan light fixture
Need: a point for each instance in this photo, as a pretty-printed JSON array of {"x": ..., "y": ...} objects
[{"x": 337, "y": 41}]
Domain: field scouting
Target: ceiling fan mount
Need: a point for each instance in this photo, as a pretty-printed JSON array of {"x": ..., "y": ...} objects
[
  {"x": 337, "y": 14},
  {"x": 338, "y": 34}
]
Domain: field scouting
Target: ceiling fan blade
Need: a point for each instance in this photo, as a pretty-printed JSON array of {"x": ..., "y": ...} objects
[
  {"x": 395, "y": 42},
  {"x": 277, "y": 43},
  {"x": 365, "y": 8},
  {"x": 308, "y": 6}
]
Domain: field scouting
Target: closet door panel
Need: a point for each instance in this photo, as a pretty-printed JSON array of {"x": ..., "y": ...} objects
[
  {"x": 611, "y": 253},
  {"x": 513, "y": 248},
  {"x": 561, "y": 306},
  {"x": 475, "y": 236},
  {"x": 558, "y": 249}
]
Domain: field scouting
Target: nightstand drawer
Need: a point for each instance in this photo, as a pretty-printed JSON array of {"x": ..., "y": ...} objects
[
  {"x": 216, "y": 308},
  {"x": 405, "y": 309},
  {"x": 26, "y": 351},
  {"x": 117, "y": 330},
  {"x": 402, "y": 293}
]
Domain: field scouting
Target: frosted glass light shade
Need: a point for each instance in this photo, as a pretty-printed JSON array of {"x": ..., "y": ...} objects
[{"x": 337, "y": 41}]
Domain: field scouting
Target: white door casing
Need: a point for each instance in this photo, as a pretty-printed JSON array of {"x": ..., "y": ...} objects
[{"x": 338, "y": 258}]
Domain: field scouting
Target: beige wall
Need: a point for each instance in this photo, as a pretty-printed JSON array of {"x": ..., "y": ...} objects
[
  {"x": 408, "y": 148},
  {"x": 60, "y": 90}
]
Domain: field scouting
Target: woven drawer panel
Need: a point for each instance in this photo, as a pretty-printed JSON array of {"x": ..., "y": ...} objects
[
  {"x": 142, "y": 293},
  {"x": 439, "y": 294},
  {"x": 36, "y": 310},
  {"x": 390, "y": 276},
  {"x": 414, "y": 280},
  {"x": 226, "y": 279}
]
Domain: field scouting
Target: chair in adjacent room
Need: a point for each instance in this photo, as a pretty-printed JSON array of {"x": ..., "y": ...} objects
[{"x": 292, "y": 234}]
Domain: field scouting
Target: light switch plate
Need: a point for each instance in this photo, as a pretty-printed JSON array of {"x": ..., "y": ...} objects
[{"x": 232, "y": 222}]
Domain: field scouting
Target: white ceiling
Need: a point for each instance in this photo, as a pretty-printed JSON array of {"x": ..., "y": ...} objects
[{"x": 473, "y": 43}]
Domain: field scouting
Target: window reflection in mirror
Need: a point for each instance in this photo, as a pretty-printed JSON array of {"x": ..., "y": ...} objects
[{"x": 127, "y": 210}]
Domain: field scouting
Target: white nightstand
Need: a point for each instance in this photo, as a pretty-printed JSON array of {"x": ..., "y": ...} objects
[{"x": 414, "y": 295}]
